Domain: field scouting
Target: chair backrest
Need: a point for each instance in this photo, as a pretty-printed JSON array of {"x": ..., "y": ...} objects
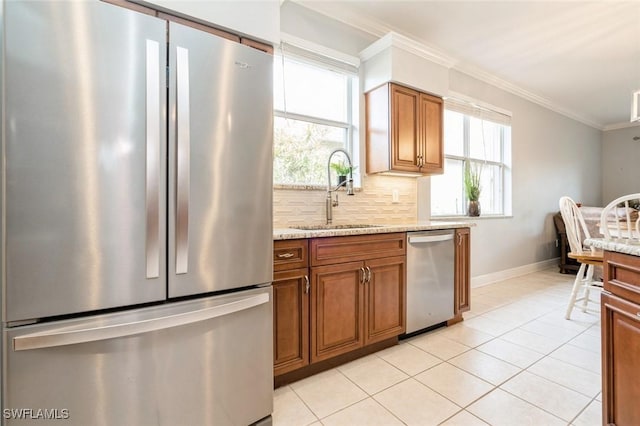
[
  {"x": 574, "y": 224},
  {"x": 620, "y": 220}
]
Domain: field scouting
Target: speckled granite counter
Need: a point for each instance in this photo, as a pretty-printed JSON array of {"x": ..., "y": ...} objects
[
  {"x": 620, "y": 246},
  {"x": 292, "y": 233}
]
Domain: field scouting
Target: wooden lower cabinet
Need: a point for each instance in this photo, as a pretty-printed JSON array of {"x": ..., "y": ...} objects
[
  {"x": 355, "y": 301},
  {"x": 621, "y": 360},
  {"x": 337, "y": 299},
  {"x": 386, "y": 298},
  {"x": 290, "y": 320},
  {"x": 620, "y": 315},
  {"x": 355, "y": 304},
  {"x": 462, "y": 275}
]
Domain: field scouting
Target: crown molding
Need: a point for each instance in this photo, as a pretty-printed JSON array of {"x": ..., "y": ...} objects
[
  {"x": 505, "y": 85},
  {"x": 422, "y": 49},
  {"x": 623, "y": 125},
  {"x": 405, "y": 43}
]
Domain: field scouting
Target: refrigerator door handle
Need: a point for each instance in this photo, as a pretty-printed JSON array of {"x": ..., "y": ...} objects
[
  {"x": 65, "y": 336},
  {"x": 153, "y": 159},
  {"x": 183, "y": 153}
]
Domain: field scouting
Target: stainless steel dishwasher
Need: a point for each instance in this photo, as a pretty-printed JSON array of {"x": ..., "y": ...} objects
[{"x": 430, "y": 268}]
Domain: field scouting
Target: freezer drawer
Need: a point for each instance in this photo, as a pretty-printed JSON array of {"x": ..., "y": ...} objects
[{"x": 205, "y": 362}]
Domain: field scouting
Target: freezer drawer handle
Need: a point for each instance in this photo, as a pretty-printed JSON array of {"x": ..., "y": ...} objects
[
  {"x": 61, "y": 337},
  {"x": 153, "y": 160},
  {"x": 430, "y": 239},
  {"x": 182, "y": 187}
]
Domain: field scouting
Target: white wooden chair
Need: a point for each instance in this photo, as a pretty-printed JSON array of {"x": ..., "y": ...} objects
[
  {"x": 620, "y": 222},
  {"x": 588, "y": 258}
]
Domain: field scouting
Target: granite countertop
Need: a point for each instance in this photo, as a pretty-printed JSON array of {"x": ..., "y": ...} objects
[
  {"x": 621, "y": 245},
  {"x": 292, "y": 233}
]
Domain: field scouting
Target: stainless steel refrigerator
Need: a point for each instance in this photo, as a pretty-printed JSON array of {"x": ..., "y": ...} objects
[{"x": 136, "y": 220}]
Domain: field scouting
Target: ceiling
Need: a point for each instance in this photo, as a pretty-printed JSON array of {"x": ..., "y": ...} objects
[{"x": 577, "y": 57}]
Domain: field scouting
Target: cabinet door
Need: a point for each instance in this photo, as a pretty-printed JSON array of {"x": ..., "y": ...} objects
[
  {"x": 621, "y": 364},
  {"x": 404, "y": 129},
  {"x": 431, "y": 155},
  {"x": 337, "y": 299},
  {"x": 290, "y": 320},
  {"x": 386, "y": 298},
  {"x": 462, "y": 277}
]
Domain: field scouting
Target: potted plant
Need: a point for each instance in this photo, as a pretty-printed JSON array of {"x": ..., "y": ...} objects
[
  {"x": 342, "y": 170},
  {"x": 472, "y": 188}
]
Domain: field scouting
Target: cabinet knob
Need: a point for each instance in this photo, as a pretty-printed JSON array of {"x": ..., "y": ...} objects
[
  {"x": 362, "y": 275},
  {"x": 306, "y": 284},
  {"x": 368, "y": 276}
]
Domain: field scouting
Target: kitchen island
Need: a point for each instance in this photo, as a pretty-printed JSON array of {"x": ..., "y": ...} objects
[
  {"x": 340, "y": 291},
  {"x": 620, "y": 304}
]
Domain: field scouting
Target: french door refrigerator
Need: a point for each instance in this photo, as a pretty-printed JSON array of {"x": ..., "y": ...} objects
[{"x": 136, "y": 220}]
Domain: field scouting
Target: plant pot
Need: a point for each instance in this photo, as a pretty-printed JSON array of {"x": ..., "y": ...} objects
[
  {"x": 341, "y": 179},
  {"x": 473, "y": 208}
]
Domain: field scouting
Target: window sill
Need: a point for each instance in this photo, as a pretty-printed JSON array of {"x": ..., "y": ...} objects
[{"x": 481, "y": 217}]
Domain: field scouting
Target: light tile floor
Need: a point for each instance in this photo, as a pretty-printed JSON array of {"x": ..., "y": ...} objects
[{"x": 514, "y": 360}]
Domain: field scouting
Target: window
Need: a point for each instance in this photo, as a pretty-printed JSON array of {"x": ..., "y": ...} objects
[
  {"x": 315, "y": 103},
  {"x": 480, "y": 139}
]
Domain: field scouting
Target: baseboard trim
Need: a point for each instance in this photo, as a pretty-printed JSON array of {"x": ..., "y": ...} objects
[{"x": 485, "y": 279}]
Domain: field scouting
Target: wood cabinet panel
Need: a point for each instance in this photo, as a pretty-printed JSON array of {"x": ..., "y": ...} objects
[
  {"x": 290, "y": 320},
  {"x": 462, "y": 275},
  {"x": 386, "y": 298},
  {"x": 337, "y": 299},
  {"x": 620, "y": 360},
  {"x": 403, "y": 131},
  {"x": 378, "y": 150},
  {"x": 290, "y": 254},
  {"x": 332, "y": 250},
  {"x": 622, "y": 275},
  {"x": 431, "y": 157},
  {"x": 404, "y": 128}
]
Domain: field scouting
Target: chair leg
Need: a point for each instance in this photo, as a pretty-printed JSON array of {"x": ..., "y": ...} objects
[
  {"x": 587, "y": 280},
  {"x": 574, "y": 291}
]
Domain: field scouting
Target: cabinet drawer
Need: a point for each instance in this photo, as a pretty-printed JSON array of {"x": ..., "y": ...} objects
[
  {"x": 333, "y": 250},
  {"x": 290, "y": 254},
  {"x": 622, "y": 275}
]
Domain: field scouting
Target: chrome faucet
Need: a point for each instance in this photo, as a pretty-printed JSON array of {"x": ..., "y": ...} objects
[{"x": 348, "y": 184}]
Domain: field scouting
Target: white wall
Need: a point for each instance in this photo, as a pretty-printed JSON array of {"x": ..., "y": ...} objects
[
  {"x": 258, "y": 19},
  {"x": 620, "y": 163},
  {"x": 552, "y": 156},
  {"x": 311, "y": 26}
]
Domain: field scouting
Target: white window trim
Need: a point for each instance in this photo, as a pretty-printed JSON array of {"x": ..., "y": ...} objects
[
  {"x": 314, "y": 54},
  {"x": 505, "y": 154}
]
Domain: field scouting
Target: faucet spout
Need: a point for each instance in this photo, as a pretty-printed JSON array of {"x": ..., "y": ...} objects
[{"x": 348, "y": 184}]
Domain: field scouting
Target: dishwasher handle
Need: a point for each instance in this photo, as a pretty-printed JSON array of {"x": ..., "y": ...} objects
[{"x": 429, "y": 238}]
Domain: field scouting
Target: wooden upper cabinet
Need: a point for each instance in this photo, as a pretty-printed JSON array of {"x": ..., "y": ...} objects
[
  {"x": 431, "y": 142},
  {"x": 405, "y": 149},
  {"x": 404, "y": 131}
]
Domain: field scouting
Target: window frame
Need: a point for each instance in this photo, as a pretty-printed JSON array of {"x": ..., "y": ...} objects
[
  {"x": 503, "y": 165},
  {"x": 326, "y": 63}
]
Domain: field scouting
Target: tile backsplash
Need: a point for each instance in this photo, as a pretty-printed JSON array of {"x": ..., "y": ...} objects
[{"x": 373, "y": 203}]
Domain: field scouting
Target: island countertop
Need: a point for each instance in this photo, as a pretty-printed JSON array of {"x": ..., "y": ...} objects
[
  {"x": 621, "y": 245},
  {"x": 293, "y": 233}
]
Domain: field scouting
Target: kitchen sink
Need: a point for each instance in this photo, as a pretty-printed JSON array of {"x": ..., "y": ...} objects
[{"x": 329, "y": 227}]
